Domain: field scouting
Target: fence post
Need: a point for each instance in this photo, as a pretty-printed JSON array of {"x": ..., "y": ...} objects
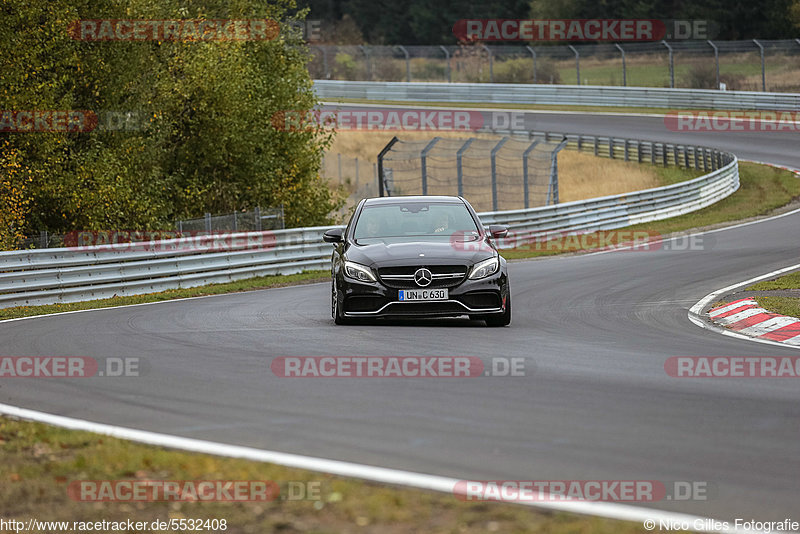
[
  {"x": 207, "y": 218},
  {"x": 491, "y": 63},
  {"x": 366, "y": 57},
  {"x": 382, "y": 153},
  {"x": 624, "y": 70},
  {"x": 325, "y": 66},
  {"x": 339, "y": 157},
  {"x": 763, "y": 72},
  {"x": 459, "y": 169},
  {"x": 257, "y": 215},
  {"x": 525, "y": 172},
  {"x": 554, "y": 172},
  {"x": 424, "y": 161},
  {"x": 716, "y": 60},
  {"x": 356, "y": 174},
  {"x": 497, "y": 147},
  {"x": 671, "y": 65},
  {"x": 577, "y": 63},
  {"x": 447, "y": 58},
  {"x": 408, "y": 63},
  {"x": 533, "y": 53}
]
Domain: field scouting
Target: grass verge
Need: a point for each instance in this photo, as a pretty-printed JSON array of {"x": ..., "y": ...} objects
[
  {"x": 779, "y": 304},
  {"x": 40, "y": 462}
]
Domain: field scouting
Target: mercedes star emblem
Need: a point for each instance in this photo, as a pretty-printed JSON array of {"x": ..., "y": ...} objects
[{"x": 423, "y": 277}]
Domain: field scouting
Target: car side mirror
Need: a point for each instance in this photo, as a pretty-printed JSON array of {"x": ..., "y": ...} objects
[
  {"x": 498, "y": 231},
  {"x": 334, "y": 235}
]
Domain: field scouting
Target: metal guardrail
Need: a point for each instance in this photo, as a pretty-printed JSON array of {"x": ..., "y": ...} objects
[
  {"x": 45, "y": 276},
  {"x": 557, "y": 95}
]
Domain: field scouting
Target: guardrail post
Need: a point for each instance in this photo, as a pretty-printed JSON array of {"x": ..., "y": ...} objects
[
  {"x": 664, "y": 153},
  {"x": 533, "y": 53},
  {"x": 763, "y": 71},
  {"x": 716, "y": 60},
  {"x": 596, "y": 147},
  {"x": 408, "y": 62},
  {"x": 652, "y": 153},
  {"x": 671, "y": 65},
  {"x": 525, "y": 170},
  {"x": 497, "y": 147},
  {"x": 447, "y": 58},
  {"x": 554, "y": 172},
  {"x": 577, "y": 63},
  {"x": 424, "y": 161},
  {"x": 459, "y": 169},
  {"x": 610, "y": 148},
  {"x": 491, "y": 65},
  {"x": 639, "y": 151},
  {"x": 675, "y": 155},
  {"x": 686, "y": 157},
  {"x": 387, "y": 148},
  {"x": 626, "y": 149},
  {"x": 580, "y": 142},
  {"x": 624, "y": 70}
]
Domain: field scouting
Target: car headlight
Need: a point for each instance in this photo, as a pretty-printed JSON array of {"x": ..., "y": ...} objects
[
  {"x": 485, "y": 268},
  {"x": 358, "y": 272}
]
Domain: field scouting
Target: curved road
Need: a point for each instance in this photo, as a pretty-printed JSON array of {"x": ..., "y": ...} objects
[{"x": 595, "y": 403}]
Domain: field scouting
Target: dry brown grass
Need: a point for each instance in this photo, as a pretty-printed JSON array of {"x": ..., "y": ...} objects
[{"x": 581, "y": 176}]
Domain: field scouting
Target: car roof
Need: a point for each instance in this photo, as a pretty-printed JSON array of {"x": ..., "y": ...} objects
[{"x": 411, "y": 199}]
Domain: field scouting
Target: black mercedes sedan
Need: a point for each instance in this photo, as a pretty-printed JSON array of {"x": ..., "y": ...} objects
[{"x": 418, "y": 256}]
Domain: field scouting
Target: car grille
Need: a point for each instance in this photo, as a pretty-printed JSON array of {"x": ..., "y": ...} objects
[
  {"x": 424, "y": 308},
  {"x": 403, "y": 277}
]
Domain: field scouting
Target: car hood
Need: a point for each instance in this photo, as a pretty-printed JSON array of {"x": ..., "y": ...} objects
[{"x": 386, "y": 252}]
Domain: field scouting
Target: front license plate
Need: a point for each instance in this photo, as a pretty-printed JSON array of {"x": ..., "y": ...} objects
[{"x": 422, "y": 294}]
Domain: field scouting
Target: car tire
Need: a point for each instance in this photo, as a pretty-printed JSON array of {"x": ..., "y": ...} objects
[
  {"x": 336, "y": 312},
  {"x": 500, "y": 320}
]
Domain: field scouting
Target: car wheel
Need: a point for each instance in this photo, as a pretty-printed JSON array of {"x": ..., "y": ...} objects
[
  {"x": 336, "y": 312},
  {"x": 500, "y": 320}
]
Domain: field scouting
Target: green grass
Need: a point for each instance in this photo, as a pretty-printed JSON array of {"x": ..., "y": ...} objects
[
  {"x": 787, "y": 281},
  {"x": 40, "y": 461},
  {"x": 762, "y": 190},
  {"x": 261, "y": 282},
  {"x": 783, "y": 305}
]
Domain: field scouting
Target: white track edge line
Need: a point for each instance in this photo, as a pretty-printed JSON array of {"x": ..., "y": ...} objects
[
  {"x": 696, "y": 311},
  {"x": 384, "y": 475}
]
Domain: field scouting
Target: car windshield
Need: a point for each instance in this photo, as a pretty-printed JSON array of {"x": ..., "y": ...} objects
[{"x": 418, "y": 219}]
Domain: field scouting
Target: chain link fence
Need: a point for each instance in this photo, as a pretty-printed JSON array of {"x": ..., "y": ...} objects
[
  {"x": 505, "y": 173},
  {"x": 755, "y": 65},
  {"x": 259, "y": 219}
]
